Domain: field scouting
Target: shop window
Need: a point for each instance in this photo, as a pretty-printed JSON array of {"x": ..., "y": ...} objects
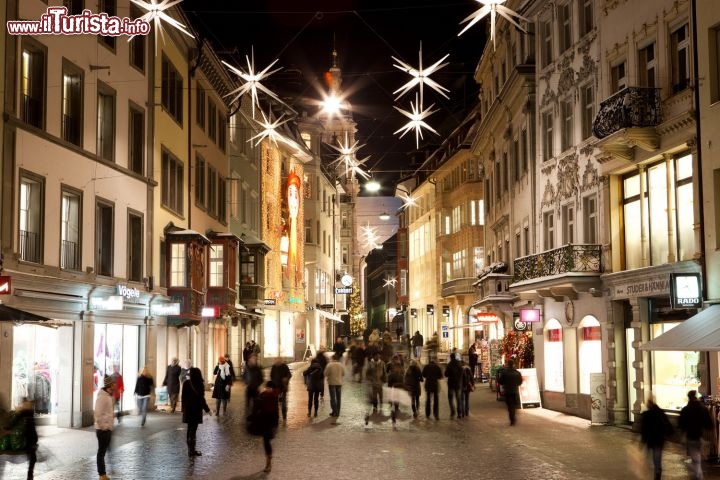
[
  {"x": 554, "y": 380},
  {"x": 589, "y": 352},
  {"x": 35, "y": 368},
  {"x": 673, "y": 373},
  {"x": 116, "y": 353}
]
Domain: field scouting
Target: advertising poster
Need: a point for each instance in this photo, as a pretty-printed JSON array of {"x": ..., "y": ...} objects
[
  {"x": 598, "y": 398},
  {"x": 529, "y": 390}
]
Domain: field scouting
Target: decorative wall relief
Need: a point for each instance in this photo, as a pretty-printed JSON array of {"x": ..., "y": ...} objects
[
  {"x": 548, "y": 198},
  {"x": 549, "y": 98},
  {"x": 568, "y": 176},
  {"x": 588, "y": 69},
  {"x": 548, "y": 168},
  {"x": 590, "y": 177}
]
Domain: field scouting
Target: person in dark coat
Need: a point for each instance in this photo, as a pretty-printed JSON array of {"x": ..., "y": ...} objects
[
  {"x": 339, "y": 347},
  {"x": 315, "y": 382},
  {"x": 511, "y": 379},
  {"x": 467, "y": 385},
  {"x": 223, "y": 383},
  {"x": 247, "y": 351},
  {"x": 24, "y": 421},
  {"x": 413, "y": 379},
  {"x": 694, "y": 420},
  {"x": 417, "y": 343},
  {"x": 280, "y": 376},
  {"x": 473, "y": 358},
  {"x": 453, "y": 372},
  {"x": 395, "y": 379},
  {"x": 172, "y": 382},
  {"x": 193, "y": 405},
  {"x": 655, "y": 428},
  {"x": 266, "y": 413},
  {"x": 432, "y": 375},
  {"x": 233, "y": 377},
  {"x": 253, "y": 378}
]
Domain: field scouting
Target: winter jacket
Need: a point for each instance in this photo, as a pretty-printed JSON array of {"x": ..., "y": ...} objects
[
  {"x": 694, "y": 419},
  {"x": 413, "y": 379},
  {"x": 280, "y": 375},
  {"x": 314, "y": 379},
  {"x": 144, "y": 386},
  {"x": 334, "y": 373},
  {"x": 432, "y": 374},
  {"x": 375, "y": 373},
  {"x": 654, "y": 426},
  {"x": 193, "y": 402},
  {"x": 453, "y": 372},
  {"x": 104, "y": 411},
  {"x": 223, "y": 381},
  {"x": 172, "y": 379}
]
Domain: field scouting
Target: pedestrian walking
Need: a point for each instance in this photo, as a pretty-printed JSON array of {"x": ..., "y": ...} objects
[
  {"x": 358, "y": 355},
  {"x": 323, "y": 361},
  {"x": 395, "y": 381},
  {"x": 221, "y": 387},
  {"x": 417, "y": 343},
  {"x": 339, "y": 347},
  {"x": 432, "y": 375},
  {"x": 467, "y": 385},
  {"x": 694, "y": 420},
  {"x": 655, "y": 428},
  {"x": 473, "y": 358},
  {"x": 335, "y": 373},
  {"x": 398, "y": 332},
  {"x": 104, "y": 423},
  {"x": 24, "y": 422},
  {"x": 143, "y": 389},
  {"x": 247, "y": 351},
  {"x": 172, "y": 383},
  {"x": 453, "y": 372},
  {"x": 280, "y": 376},
  {"x": 193, "y": 405},
  {"x": 413, "y": 379},
  {"x": 315, "y": 383},
  {"x": 376, "y": 376},
  {"x": 265, "y": 418},
  {"x": 432, "y": 346},
  {"x": 253, "y": 378},
  {"x": 118, "y": 390},
  {"x": 511, "y": 379},
  {"x": 185, "y": 371}
]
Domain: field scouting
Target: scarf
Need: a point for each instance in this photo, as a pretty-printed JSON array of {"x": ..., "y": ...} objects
[{"x": 224, "y": 370}]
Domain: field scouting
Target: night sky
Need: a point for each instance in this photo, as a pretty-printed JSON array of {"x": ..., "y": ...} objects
[{"x": 366, "y": 33}]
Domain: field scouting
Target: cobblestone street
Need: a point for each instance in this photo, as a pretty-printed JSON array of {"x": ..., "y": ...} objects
[{"x": 543, "y": 445}]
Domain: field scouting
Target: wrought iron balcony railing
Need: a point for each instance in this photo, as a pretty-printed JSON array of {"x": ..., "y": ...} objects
[
  {"x": 566, "y": 259},
  {"x": 630, "y": 107}
]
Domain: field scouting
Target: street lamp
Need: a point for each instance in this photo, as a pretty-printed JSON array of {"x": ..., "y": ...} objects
[
  {"x": 373, "y": 186},
  {"x": 384, "y": 216}
]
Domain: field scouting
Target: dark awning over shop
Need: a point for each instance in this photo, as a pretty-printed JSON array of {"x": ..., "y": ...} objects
[
  {"x": 699, "y": 333},
  {"x": 10, "y": 314}
]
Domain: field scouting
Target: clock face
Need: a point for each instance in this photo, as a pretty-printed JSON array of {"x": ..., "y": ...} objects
[{"x": 346, "y": 280}]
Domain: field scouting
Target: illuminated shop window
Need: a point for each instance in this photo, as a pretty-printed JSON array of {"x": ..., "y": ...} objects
[
  {"x": 589, "y": 351},
  {"x": 554, "y": 356}
]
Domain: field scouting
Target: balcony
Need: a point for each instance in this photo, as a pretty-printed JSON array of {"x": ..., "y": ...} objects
[
  {"x": 628, "y": 119},
  {"x": 29, "y": 246},
  {"x": 458, "y": 286},
  {"x": 561, "y": 272}
]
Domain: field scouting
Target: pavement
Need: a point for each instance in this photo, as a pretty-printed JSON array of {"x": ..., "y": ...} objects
[{"x": 543, "y": 444}]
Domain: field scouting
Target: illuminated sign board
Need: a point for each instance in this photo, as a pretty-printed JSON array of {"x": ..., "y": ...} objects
[
  {"x": 685, "y": 290},
  {"x": 530, "y": 315},
  {"x": 114, "y": 302},
  {"x": 165, "y": 309}
]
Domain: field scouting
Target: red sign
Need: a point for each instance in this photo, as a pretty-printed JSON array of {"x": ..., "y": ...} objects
[
  {"x": 486, "y": 317},
  {"x": 554, "y": 335},
  {"x": 5, "y": 285}
]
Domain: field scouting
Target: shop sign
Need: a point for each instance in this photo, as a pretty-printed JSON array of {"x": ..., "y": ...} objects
[
  {"x": 165, "y": 309},
  {"x": 646, "y": 288},
  {"x": 114, "y": 302},
  {"x": 130, "y": 294},
  {"x": 554, "y": 335},
  {"x": 486, "y": 317},
  {"x": 530, "y": 315},
  {"x": 269, "y": 301},
  {"x": 519, "y": 325},
  {"x": 209, "y": 312},
  {"x": 5, "y": 284},
  {"x": 343, "y": 290},
  {"x": 685, "y": 290}
]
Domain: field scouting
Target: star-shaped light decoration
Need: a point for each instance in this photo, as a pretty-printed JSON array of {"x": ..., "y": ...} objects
[
  {"x": 421, "y": 77},
  {"x": 269, "y": 129},
  {"x": 389, "y": 282},
  {"x": 493, "y": 8},
  {"x": 348, "y": 156},
  {"x": 408, "y": 200},
  {"x": 155, "y": 13},
  {"x": 417, "y": 120},
  {"x": 252, "y": 81}
]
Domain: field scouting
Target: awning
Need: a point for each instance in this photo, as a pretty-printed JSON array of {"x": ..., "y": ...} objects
[
  {"x": 699, "y": 333},
  {"x": 11, "y": 314},
  {"x": 330, "y": 316},
  {"x": 468, "y": 325}
]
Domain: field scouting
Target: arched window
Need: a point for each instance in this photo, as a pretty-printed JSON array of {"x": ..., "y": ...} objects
[
  {"x": 552, "y": 334},
  {"x": 589, "y": 351}
]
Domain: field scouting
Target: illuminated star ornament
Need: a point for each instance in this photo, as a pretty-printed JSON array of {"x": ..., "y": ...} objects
[
  {"x": 269, "y": 129},
  {"x": 417, "y": 120},
  {"x": 421, "y": 77},
  {"x": 408, "y": 201},
  {"x": 155, "y": 13},
  {"x": 389, "y": 282},
  {"x": 492, "y": 8},
  {"x": 348, "y": 157},
  {"x": 252, "y": 81}
]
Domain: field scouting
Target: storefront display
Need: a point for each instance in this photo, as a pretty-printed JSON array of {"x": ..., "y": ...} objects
[
  {"x": 116, "y": 346},
  {"x": 35, "y": 368},
  {"x": 554, "y": 357},
  {"x": 673, "y": 373}
]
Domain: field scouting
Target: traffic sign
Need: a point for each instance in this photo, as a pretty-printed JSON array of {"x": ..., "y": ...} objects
[{"x": 5, "y": 285}]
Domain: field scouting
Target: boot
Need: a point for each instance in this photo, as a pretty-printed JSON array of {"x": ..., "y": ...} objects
[{"x": 268, "y": 463}]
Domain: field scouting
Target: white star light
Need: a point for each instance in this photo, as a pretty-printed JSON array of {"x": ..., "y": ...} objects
[
  {"x": 390, "y": 282},
  {"x": 493, "y": 8},
  {"x": 155, "y": 13},
  {"x": 348, "y": 156},
  {"x": 269, "y": 129},
  {"x": 252, "y": 81},
  {"x": 417, "y": 120},
  {"x": 408, "y": 201},
  {"x": 421, "y": 77}
]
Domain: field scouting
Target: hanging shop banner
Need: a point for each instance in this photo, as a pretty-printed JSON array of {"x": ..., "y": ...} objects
[
  {"x": 598, "y": 399},
  {"x": 529, "y": 389}
]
